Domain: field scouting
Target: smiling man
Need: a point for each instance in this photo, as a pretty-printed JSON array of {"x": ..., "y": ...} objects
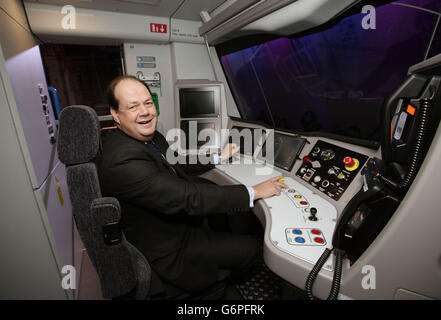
[
  {"x": 137, "y": 116},
  {"x": 163, "y": 208}
]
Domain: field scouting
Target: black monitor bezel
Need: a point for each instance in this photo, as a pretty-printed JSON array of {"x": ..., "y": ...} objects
[
  {"x": 302, "y": 141},
  {"x": 217, "y": 101}
]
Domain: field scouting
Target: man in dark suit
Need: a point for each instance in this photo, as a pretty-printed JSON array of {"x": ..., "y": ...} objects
[{"x": 163, "y": 208}]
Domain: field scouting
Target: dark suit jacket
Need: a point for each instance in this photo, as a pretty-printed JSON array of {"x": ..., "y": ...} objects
[{"x": 162, "y": 208}]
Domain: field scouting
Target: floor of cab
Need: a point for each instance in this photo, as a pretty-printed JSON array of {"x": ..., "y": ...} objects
[{"x": 263, "y": 284}]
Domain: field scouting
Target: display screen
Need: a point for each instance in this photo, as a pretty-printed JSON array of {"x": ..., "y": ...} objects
[
  {"x": 246, "y": 138},
  {"x": 333, "y": 81},
  {"x": 195, "y": 103},
  {"x": 286, "y": 150},
  {"x": 198, "y": 134}
]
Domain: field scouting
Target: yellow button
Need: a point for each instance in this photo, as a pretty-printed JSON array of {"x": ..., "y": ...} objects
[
  {"x": 341, "y": 176},
  {"x": 281, "y": 180},
  {"x": 297, "y": 196}
]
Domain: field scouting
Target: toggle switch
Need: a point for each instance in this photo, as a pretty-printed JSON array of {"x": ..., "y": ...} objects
[{"x": 313, "y": 212}]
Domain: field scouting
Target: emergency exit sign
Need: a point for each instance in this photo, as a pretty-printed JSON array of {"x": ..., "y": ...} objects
[{"x": 158, "y": 28}]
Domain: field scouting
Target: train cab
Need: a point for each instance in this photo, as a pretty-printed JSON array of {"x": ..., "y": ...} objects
[{"x": 336, "y": 103}]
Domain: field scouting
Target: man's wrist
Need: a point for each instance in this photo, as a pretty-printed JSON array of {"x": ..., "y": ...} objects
[{"x": 251, "y": 192}]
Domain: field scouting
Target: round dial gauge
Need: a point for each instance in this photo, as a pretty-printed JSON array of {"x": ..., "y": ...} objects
[{"x": 327, "y": 154}]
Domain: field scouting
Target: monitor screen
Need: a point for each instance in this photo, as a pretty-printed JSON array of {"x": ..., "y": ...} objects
[
  {"x": 199, "y": 102},
  {"x": 286, "y": 150},
  {"x": 198, "y": 134}
]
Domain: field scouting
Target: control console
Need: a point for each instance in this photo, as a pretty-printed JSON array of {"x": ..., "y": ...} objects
[
  {"x": 301, "y": 222},
  {"x": 330, "y": 168}
]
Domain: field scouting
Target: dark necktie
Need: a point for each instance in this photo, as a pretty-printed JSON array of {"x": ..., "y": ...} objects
[
  {"x": 155, "y": 148},
  {"x": 157, "y": 151}
]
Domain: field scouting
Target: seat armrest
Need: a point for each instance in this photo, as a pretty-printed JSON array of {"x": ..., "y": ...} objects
[{"x": 107, "y": 214}]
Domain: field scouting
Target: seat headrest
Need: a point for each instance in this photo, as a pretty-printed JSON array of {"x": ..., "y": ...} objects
[{"x": 78, "y": 135}]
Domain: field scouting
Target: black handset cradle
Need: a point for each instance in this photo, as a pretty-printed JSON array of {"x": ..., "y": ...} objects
[
  {"x": 406, "y": 137},
  {"x": 366, "y": 214},
  {"x": 386, "y": 181}
]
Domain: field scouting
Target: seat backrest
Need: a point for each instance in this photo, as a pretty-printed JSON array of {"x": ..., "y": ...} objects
[{"x": 120, "y": 266}]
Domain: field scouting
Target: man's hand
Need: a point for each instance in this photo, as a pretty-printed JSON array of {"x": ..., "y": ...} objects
[
  {"x": 229, "y": 150},
  {"x": 269, "y": 188}
]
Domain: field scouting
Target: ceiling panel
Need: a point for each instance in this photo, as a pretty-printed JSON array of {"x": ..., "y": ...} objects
[
  {"x": 190, "y": 8},
  {"x": 181, "y": 9},
  {"x": 161, "y": 8}
]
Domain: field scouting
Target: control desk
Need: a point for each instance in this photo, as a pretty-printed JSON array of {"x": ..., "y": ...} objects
[{"x": 299, "y": 224}]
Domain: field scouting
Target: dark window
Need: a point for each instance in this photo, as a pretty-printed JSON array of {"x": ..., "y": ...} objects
[
  {"x": 434, "y": 5},
  {"x": 435, "y": 48},
  {"x": 81, "y": 73},
  {"x": 333, "y": 81}
]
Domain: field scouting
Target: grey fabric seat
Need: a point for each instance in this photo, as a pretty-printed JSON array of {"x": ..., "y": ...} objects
[{"x": 121, "y": 268}]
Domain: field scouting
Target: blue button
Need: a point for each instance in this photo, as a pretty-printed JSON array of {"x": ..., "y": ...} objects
[
  {"x": 300, "y": 240},
  {"x": 297, "y": 231}
]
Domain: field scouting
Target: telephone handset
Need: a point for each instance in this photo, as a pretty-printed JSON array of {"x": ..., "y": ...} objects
[
  {"x": 386, "y": 181},
  {"x": 405, "y": 137},
  {"x": 367, "y": 213}
]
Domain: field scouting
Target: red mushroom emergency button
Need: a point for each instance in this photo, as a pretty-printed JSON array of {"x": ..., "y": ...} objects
[
  {"x": 351, "y": 163},
  {"x": 348, "y": 161}
]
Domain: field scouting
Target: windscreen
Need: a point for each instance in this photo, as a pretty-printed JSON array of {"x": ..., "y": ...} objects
[{"x": 333, "y": 81}]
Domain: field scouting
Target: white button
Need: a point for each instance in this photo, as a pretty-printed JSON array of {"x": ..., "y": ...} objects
[{"x": 317, "y": 179}]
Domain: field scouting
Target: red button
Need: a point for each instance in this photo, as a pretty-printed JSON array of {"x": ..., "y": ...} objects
[
  {"x": 349, "y": 162},
  {"x": 303, "y": 202},
  {"x": 315, "y": 231},
  {"x": 306, "y": 159},
  {"x": 318, "y": 240}
]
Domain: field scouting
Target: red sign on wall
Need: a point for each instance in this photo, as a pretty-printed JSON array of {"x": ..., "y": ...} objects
[{"x": 158, "y": 28}]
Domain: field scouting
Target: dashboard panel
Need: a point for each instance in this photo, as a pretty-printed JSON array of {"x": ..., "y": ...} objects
[
  {"x": 330, "y": 168},
  {"x": 299, "y": 224}
]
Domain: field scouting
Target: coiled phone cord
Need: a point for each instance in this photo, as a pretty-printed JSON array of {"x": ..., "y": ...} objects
[
  {"x": 417, "y": 150},
  {"x": 335, "y": 287}
]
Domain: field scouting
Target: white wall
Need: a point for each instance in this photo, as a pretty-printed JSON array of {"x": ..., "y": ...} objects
[
  {"x": 28, "y": 268},
  {"x": 176, "y": 61},
  {"x": 15, "y": 36},
  {"x": 192, "y": 61},
  {"x": 163, "y": 66}
]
